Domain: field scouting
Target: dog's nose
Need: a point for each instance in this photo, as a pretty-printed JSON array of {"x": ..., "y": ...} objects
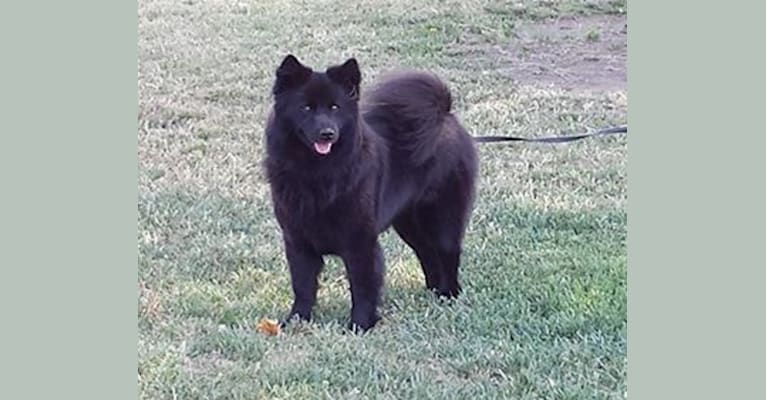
[{"x": 327, "y": 133}]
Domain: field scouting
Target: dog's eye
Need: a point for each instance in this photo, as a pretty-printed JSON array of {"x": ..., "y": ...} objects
[
  {"x": 307, "y": 108},
  {"x": 334, "y": 107}
]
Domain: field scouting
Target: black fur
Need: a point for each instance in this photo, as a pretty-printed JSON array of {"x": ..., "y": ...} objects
[{"x": 344, "y": 168}]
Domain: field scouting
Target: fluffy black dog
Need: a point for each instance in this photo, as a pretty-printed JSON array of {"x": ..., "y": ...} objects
[{"x": 343, "y": 168}]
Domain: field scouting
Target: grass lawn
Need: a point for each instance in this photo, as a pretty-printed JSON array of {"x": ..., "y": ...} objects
[{"x": 544, "y": 309}]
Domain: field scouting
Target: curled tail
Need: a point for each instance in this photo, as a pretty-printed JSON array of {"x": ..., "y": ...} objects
[{"x": 412, "y": 110}]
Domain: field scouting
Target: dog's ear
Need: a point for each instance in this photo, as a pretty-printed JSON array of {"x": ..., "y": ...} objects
[
  {"x": 348, "y": 75},
  {"x": 291, "y": 73}
]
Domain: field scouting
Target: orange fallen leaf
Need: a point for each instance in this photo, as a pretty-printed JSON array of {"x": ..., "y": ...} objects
[{"x": 268, "y": 326}]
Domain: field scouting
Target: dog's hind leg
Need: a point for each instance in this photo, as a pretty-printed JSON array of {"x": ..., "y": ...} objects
[
  {"x": 443, "y": 230},
  {"x": 435, "y": 230},
  {"x": 435, "y": 234},
  {"x": 406, "y": 225}
]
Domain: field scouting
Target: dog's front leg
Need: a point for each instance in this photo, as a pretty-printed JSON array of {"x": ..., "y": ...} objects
[
  {"x": 365, "y": 267},
  {"x": 305, "y": 265}
]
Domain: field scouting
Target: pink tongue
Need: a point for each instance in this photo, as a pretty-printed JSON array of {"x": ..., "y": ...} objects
[{"x": 323, "y": 147}]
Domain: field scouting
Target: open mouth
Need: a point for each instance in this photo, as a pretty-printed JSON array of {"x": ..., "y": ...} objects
[{"x": 323, "y": 147}]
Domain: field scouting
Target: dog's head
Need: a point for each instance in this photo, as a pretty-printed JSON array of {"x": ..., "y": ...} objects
[{"x": 320, "y": 107}]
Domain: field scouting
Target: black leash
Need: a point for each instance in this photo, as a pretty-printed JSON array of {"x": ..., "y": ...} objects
[{"x": 552, "y": 139}]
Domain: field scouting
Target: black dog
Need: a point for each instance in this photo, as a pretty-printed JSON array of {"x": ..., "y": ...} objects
[{"x": 342, "y": 169}]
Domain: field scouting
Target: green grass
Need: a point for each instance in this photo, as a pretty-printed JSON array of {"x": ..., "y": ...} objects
[{"x": 544, "y": 314}]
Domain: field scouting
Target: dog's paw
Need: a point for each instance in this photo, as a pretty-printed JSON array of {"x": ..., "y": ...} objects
[
  {"x": 295, "y": 316},
  {"x": 362, "y": 324},
  {"x": 448, "y": 293}
]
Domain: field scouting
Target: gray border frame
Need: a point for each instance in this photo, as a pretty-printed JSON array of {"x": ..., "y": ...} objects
[
  {"x": 68, "y": 210},
  {"x": 693, "y": 188}
]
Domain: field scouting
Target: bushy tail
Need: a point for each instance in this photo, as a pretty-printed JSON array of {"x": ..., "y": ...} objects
[{"x": 414, "y": 109}]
